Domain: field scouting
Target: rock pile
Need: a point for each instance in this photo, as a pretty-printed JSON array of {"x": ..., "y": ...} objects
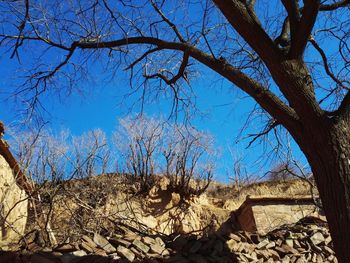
[
  {"x": 289, "y": 244},
  {"x": 297, "y": 243}
]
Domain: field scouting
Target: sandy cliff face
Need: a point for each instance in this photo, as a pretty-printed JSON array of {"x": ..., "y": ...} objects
[
  {"x": 13, "y": 206},
  {"x": 159, "y": 211}
]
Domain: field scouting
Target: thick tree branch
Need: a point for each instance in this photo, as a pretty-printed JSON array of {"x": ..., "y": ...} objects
[
  {"x": 304, "y": 29},
  {"x": 293, "y": 15},
  {"x": 344, "y": 108},
  {"x": 238, "y": 15},
  {"x": 283, "y": 39},
  {"x": 282, "y": 71}
]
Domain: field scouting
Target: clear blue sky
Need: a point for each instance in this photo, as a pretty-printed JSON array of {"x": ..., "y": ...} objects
[{"x": 223, "y": 113}]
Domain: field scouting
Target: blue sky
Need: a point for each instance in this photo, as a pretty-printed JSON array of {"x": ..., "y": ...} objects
[{"x": 223, "y": 112}]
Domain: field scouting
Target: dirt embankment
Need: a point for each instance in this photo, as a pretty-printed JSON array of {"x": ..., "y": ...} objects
[{"x": 83, "y": 206}]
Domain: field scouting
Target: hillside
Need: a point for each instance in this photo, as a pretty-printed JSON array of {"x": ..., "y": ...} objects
[{"x": 96, "y": 201}]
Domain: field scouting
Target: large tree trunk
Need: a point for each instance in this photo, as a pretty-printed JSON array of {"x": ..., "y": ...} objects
[{"x": 327, "y": 149}]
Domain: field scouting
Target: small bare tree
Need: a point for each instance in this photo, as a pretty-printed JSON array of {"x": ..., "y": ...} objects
[
  {"x": 188, "y": 157},
  {"x": 138, "y": 141},
  {"x": 237, "y": 171},
  {"x": 91, "y": 154},
  {"x": 53, "y": 160}
]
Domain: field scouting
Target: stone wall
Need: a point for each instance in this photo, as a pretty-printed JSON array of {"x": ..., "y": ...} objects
[
  {"x": 269, "y": 216},
  {"x": 264, "y": 214},
  {"x": 13, "y": 206}
]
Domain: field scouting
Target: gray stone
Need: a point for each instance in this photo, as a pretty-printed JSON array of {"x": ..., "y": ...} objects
[
  {"x": 263, "y": 244},
  {"x": 232, "y": 245},
  {"x": 137, "y": 252},
  {"x": 119, "y": 241},
  {"x": 103, "y": 243},
  {"x": 88, "y": 241},
  {"x": 65, "y": 248},
  {"x": 86, "y": 247},
  {"x": 328, "y": 249},
  {"x": 235, "y": 237},
  {"x": 328, "y": 240},
  {"x": 157, "y": 248},
  {"x": 285, "y": 249},
  {"x": 125, "y": 252},
  {"x": 160, "y": 241},
  {"x": 301, "y": 260},
  {"x": 270, "y": 245},
  {"x": 131, "y": 236},
  {"x": 79, "y": 253},
  {"x": 13, "y": 204},
  {"x": 317, "y": 238},
  {"x": 141, "y": 246},
  {"x": 290, "y": 242},
  {"x": 286, "y": 259},
  {"x": 273, "y": 254},
  {"x": 319, "y": 258},
  {"x": 114, "y": 256},
  {"x": 148, "y": 240}
]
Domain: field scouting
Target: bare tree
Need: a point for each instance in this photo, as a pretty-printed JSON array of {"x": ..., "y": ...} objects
[
  {"x": 237, "y": 171},
  {"x": 51, "y": 161},
  {"x": 42, "y": 156},
  {"x": 189, "y": 157},
  {"x": 138, "y": 141},
  {"x": 91, "y": 155},
  {"x": 273, "y": 51}
]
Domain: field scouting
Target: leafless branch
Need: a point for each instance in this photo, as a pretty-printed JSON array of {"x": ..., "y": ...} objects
[{"x": 334, "y": 6}]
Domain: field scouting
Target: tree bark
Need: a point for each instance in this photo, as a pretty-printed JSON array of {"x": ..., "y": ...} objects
[
  {"x": 327, "y": 149},
  {"x": 325, "y": 141}
]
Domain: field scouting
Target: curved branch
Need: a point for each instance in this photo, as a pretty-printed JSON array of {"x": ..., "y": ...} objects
[
  {"x": 269, "y": 127},
  {"x": 180, "y": 74},
  {"x": 21, "y": 27},
  {"x": 325, "y": 64},
  {"x": 144, "y": 55},
  {"x": 241, "y": 18}
]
